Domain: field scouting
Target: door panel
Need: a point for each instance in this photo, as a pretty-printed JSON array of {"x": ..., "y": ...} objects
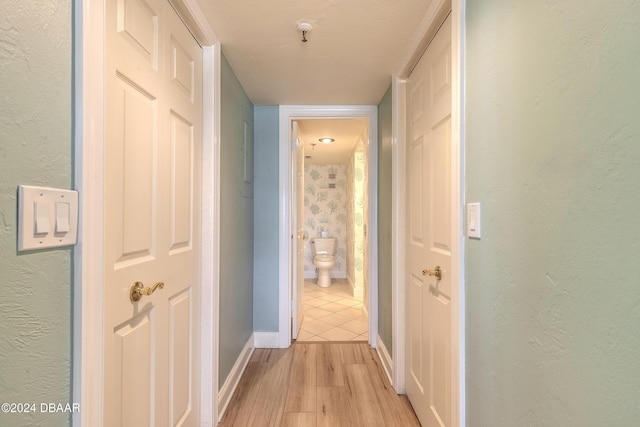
[
  {"x": 181, "y": 182},
  {"x": 133, "y": 177},
  {"x": 137, "y": 22},
  {"x": 181, "y": 348},
  {"x": 134, "y": 371},
  {"x": 429, "y": 244}
]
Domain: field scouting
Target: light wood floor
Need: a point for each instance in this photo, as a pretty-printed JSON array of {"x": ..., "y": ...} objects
[{"x": 317, "y": 385}]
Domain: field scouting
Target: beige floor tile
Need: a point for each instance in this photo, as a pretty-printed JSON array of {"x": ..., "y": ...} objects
[
  {"x": 317, "y": 313},
  {"x": 338, "y": 334},
  {"x": 347, "y": 302},
  {"x": 316, "y": 326},
  {"x": 316, "y": 302},
  {"x": 330, "y": 297},
  {"x": 362, "y": 337},
  {"x": 332, "y": 306},
  {"x": 356, "y": 326},
  {"x": 316, "y": 338},
  {"x": 353, "y": 313},
  {"x": 305, "y": 335},
  {"x": 336, "y": 319},
  {"x": 328, "y": 309}
]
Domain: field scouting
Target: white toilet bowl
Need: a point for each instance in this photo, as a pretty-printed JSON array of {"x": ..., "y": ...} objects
[{"x": 324, "y": 259}]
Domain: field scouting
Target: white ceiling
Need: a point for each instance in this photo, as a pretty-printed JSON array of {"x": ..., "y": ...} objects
[
  {"x": 346, "y": 132},
  {"x": 352, "y": 51}
]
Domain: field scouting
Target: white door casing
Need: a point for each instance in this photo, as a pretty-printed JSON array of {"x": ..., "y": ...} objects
[
  {"x": 430, "y": 239},
  {"x": 289, "y": 113},
  {"x": 152, "y": 216}
]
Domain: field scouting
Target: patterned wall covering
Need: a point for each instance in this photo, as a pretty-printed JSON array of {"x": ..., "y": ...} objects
[
  {"x": 325, "y": 209},
  {"x": 356, "y": 221}
]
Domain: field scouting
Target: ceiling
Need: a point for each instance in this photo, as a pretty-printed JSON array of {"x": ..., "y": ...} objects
[
  {"x": 353, "y": 48},
  {"x": 346, "y": 132}
]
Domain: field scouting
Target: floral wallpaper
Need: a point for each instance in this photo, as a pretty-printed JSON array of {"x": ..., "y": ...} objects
[
  {"x": 325, "y": 209},
  {"x": 356, "y": 221}
]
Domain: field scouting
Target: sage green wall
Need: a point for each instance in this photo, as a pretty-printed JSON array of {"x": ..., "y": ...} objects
[
  {"x": 266, "y": 219},
  {"x": 236, "y": 223},
  {"x": 385, "y": 327},
  {"x": 553, "y": 153},
  {"x": 35, "y": 149}
]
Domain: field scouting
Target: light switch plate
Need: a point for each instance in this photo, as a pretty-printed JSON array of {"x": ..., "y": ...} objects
[
  {"x": 473, "y": 220},
  {"x": 43, "y": 216}
]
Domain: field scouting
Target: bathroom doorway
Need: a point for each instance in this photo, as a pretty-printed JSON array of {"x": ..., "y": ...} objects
[
  {"x": 289, "y": 285},
  {"x": 334, "y": 183}
]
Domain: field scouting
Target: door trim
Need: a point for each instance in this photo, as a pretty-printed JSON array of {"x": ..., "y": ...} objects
[
  {"x": 88, "y": 271},
  {"x": 297, "y": 112},
  {"x": 429, "y": 26}
]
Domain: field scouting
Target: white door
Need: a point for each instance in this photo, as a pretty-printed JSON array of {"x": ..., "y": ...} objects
[
  {"x": 298, "y": 221},
  {"x": 429, "y": 379},
  {"x": 152, "y": 216}
]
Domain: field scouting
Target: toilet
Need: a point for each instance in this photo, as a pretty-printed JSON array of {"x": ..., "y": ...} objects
[{"x": 324, "y": 250}]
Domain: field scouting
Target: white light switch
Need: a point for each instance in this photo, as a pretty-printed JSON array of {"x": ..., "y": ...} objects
[
  {"x": 473, "y": 220},
  {"x": 62, "y": 217},
  {"x": 47, "y": 217},
  {"x": 41, "y": 217}
]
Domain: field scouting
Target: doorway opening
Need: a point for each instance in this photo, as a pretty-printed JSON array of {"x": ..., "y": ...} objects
[
  {"x": 300, "y": 120},
  {"x": 332, "y": 184}
]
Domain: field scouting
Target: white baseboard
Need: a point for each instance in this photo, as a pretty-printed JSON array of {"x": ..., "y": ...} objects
[
  {"x": 229, "y": 386},
  {"x": 387, "y": 363},
  {"x": 265, "y": 339},
  {"x": 357, "y": 293}
]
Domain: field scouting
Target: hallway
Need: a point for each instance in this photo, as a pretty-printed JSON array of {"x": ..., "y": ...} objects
[{"x": 315, "y": 385}]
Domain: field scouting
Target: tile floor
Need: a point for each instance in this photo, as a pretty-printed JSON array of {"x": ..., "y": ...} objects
[{"x": 332, "y": 314}]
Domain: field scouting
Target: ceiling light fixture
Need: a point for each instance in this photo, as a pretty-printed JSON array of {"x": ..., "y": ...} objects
[
  {"x": 304, "y": 27},
  {"x": 326, "y": 140}
]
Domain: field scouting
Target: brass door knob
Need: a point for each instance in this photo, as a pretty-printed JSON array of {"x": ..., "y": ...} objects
[
  {"x": 138, "y": 290},
  {"x": 437, "y": 272}
]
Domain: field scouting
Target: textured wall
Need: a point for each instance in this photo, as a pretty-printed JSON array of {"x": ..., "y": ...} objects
[
  {"x": 266, "y": 219},
  {"x": 35, "y": 149},
  {"x": 325, "y": 209},
  {"x": 384, "y": 221},
  {"x": 553, "y": 154},
  {"x": 236, "y": 224}
]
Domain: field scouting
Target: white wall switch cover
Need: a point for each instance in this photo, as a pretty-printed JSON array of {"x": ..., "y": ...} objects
[
  {"x": 473, "y": 220},
  {"x": 47, "y": 217}
]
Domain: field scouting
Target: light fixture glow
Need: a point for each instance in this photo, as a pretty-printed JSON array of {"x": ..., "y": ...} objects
[{"x": 326, "y": 140}]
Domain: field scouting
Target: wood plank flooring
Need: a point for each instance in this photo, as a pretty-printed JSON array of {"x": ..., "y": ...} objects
[{"x": 317, "y": 385}]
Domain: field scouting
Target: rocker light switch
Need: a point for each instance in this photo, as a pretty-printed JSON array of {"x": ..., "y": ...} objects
[
  {"x": 47, "y": 217},
  {"x": 41, "y": 218},
  {"x": 62, "y": 217},
  {"x": 473, "y": 220}
]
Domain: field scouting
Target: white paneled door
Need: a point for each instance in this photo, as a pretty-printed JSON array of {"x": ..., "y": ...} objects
[
  {"x": 429, "y": 346},
  {"x": 152, "y": 217},
  {"x": 297, "y": 182}
]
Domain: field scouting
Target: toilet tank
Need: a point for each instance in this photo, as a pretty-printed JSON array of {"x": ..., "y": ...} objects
[{"x": 321, "y": 246}]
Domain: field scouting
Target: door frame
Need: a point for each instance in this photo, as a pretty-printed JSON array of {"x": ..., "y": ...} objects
[
  {"x": 88, "y": 271},
  {"x": 426, "y": 31},
  {"x": 288, "y": 113}
]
